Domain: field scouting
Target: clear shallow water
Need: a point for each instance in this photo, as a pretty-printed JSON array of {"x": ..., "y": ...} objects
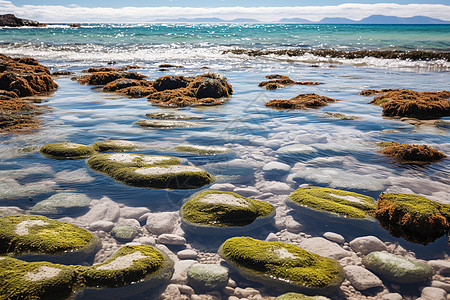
[{"x": 345, "y": 156}]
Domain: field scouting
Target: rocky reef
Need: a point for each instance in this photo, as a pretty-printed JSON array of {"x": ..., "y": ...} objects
[
  {"x": 11, "y": 20},
  {"x": 411, "y": 153},
  {"x": 21, "y": 77},
  {"x": 282, "y": 266},
  {"x": 302, "y": 101},
  {"x": 413, "y": 217},
  {"x": 412, "y": 104},
  {"x": 280, "y": 81},
  {"x": 215, "y": 212}
]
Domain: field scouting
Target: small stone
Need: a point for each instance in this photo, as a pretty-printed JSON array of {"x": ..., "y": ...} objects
[
  {"x": 272, "y": 237},
  {"x": 434, "y": 293},
  {"x": 207, "y": 277},
  {"x": 101, "y": 225},
  {"x": 172, "y": 292},
  {"x": 361, "y": 278},
  {"x": 292, "y": 225},
  {"x": 231, "y": 298},
  {"x": 392, "y": 296},
  {"x": 180, "y": 271},
  {"x": 105, "y": 209},
  {"x": 196, "y": 297},
  {"x": 367, "y": 244},
  {"x": 276, "y": 188},
  {"x": 223, "y": 187},
  {"x": 440, "y": 266},
  {"x": 133, "y": 212},
  {"x": 249, "y": 191},
  {"x": 124, "y": 233},
  {"x": 171, "y": 239},
  {"x": 442, "y": 285},
  {"x": 334, "y": 237},
  {"x": 185, "y": 289},
  {"x": 231, "y": 283},
  {"x": 325, "y": 248},
  {"x": 245, "y": 293},
  {"x": 146, "y": 240},
  {"x": 276, "y": 168},
  {"x": 187, "y": 254},
  {"x": 228, "y": 290},
  {"x": 164, "y": 222}
]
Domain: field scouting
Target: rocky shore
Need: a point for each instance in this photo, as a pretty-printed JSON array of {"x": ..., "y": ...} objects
[{"x": 11, "y": 20}]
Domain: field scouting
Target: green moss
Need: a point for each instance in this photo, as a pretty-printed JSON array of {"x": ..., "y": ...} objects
[
  {"x": 283, "y": 266},
  {"x": 192, "y": 177},
  {"x": 150, "y": 260},
  {"x": 202, "y": 150},
  {"x": 414, "y": 217},
  {"x": 220, "y": 214},
  {"x": 67, "y": 150},
  {"x": 22, "y": 234},
  {"x": 16, "y": 283},
  {"x": 334, "y": 201},
  {"x": 114, "y": 145},
  {"x": 296, "y": 296},
  {"x": 109, "y": 163}
]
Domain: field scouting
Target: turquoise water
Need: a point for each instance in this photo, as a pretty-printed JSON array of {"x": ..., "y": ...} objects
[{"x": 345, "y": 155}]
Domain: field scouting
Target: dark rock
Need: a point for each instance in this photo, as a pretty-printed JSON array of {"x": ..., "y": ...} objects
[
  {"x": 411, "y": 153},
  {"x": 302, "y": 101},
  {"x": 11, "y": 20}
]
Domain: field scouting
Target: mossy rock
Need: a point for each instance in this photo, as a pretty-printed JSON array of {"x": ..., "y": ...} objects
[
  {"x": 109, "y": 163},
  {"x": 411, "y": 153},
  {"x": 413, "y": 217},
  {"x": 33, "y": 238},
  {"x": 297, "y": 296},
  {"x": 115, "y": 145},
  {"x": 164, "y": 177},
  {"x": 282, "y": 266},
  {"x": 216, "y": 212},
  {"x": 36, "y": 280},
  {"x": 67, "y": 150},
  {"x": 207, "y": 277},
  {"x": 335, "y": 202},
  {"x": 397, "y": 268},
  {"x": 132, "y": 270},
  {"x": 202, "y": 150},
  {"x": 62, "y": 204}
]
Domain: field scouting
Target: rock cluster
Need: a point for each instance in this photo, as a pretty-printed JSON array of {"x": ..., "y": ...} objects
[{"x": 302, "y": 101}]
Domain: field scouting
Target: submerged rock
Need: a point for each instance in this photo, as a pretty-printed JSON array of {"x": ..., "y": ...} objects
[
  {"x": 280, "y": 81},
  {"x": 339, "y": 116},
  {"x": 39, "y": 238},
  {"x": 172, "y": 116},
  {"x": 207, "y": 277},
  {"x": 413, "y": 217},
  {"x": 115, "y": 145},
  {"x": 282, "y": 266},
  {"x": 411, "y": 153},
  {"x": 202, "y": 150},
  {"x": 412, "y": 104},
  {"x": 397, "y": 268},
  {"x": 297, "y": 296},
  {"x": 167, "y": 124},
  {"x": 123, "y": 233},
  {"x": 361, "y": 278},
  {"x": 302, "y": 101},
  {"x": 336, "y": 202},
  {"x": 217, "y": 212},
  {"x": 67, "y": 150},
  {"x": 149, "y": 170},
  {"x": 62, "y": 204}
]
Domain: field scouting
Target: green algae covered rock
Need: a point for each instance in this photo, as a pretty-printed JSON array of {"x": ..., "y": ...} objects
[
  {"x": 413, "y": 217},
  {"x": 67, "y": 150},
  {"x": 335, "y": 202},
  {"x": 124, "y": 233},
  {"x": 215, "y": 212},
  {"x": 207, "y": 277},
  {"x": 115, "y": 145},
  {"x": 202, "y": 150},
  {"x": 36, "y": 280},
  {"x": 34, "y": 237},
  {"x": 397, "y": 268},
  {"x": 132, "y": 270},
  {"x": 62, "y": 204},
  {"x": 152, "y": 171},
  {"x": 297, "y": 296},
  {"x": 285, "y": 267}
]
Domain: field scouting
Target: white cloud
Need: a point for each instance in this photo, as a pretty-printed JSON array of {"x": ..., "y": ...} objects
[{"x": 74, "y": 13}]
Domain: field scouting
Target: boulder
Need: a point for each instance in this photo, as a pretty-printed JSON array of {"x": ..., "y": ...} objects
[
  {"x": 67, "y": 150},
  {"x": 282, "y": 266},
  {"x": 361, "y": 278},
  {"x": 397, "y": 268},
  {"x": 325, "y": 248},
  {"x": 413, "y": 217},
  {"x": 207, "y": 277},
  {"x": 411, "y": 153},
  {"x": 215, "y": 212}
]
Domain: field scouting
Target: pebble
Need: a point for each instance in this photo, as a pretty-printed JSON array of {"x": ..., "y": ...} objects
[
  {"x": 276, "y": 167},
  {"x": 171, "y": 293},
  {"x": 442, "y": 285},
  {"x": 163, "y": 222},
  {"x": 245, "y": 293},
  {"x": 105, "y": 209},
  {"x": 171, "y": 239},
  {"x": 325, "y": 248},
  {"x": 146, "y": 240},
  {"x": 180, "y": 271},
  {"x": 101, "y": 225},
  {"x": 367, "y": 244},
  {"x": 231, "y": 298},
  {"x": 130, "y": 222},
  {"x": 167, "y": 251},
  {"x": 433, "y": 293},
  {"x": 133, "y": 212},
  {"x": 276, "y": 188},
  {"x": 440, "y": 266},
  {"x": 361, "y": 278},
  {"x": 187, "y": 254},
  {"x": 334, "y": 237},
  {"x": 185, "y": 289},
  {"x": 272, "y": 237},
  {"x": 392, "y": 296},
  {"x": 292, "y": 225},
  {"x": 248, "y": 191},
  {"x": 223, "y": 187}
]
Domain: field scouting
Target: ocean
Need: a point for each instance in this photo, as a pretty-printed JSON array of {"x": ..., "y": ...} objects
[{"x": 342, "y": 153}]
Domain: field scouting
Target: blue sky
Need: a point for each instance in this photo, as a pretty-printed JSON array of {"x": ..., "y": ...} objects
[{"x": 70, "y": 11}]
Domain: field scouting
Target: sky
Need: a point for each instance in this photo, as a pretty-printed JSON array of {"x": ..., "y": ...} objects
[{"x": 71, "y": 11}]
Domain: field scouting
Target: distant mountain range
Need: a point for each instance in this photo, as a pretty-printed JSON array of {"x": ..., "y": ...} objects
[{"x": 374, "y": 19}]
